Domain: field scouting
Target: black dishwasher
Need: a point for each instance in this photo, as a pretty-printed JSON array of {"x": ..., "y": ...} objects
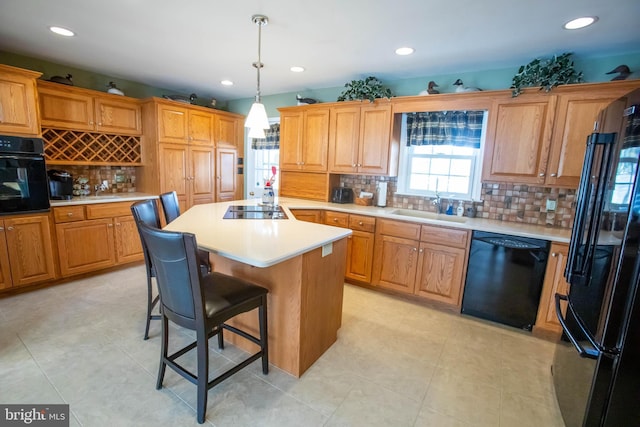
[{"x": 504, "y": 278}]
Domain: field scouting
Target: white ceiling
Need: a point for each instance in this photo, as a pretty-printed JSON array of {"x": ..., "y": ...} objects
[{"x": 190, "y": 46}]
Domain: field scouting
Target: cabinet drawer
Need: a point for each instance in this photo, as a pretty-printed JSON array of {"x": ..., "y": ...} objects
[
  {"x": 362, "y": 223},
  {"x": 407, "y": 230},
  {"x": 337, "y": 219},
  {"x": 444, "y": 236},
  {"x": 68, "y": 213},
  {"x": 108, "y": 210}
]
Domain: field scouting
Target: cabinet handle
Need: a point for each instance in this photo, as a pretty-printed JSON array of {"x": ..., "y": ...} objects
[
  {"x": 2, "y": 229},
  {"x": 354, "y": 165},
  {"x": 335, "y": 219},
  {"x": 99, "y": 123},
  {"x": 553, "y": 254},
  {"x": 9, "y": 228},
  {"x": 554, "y": 174},
  {"x": 91, "y": 123},
  {"x": 415, "y": 249},
  {"x": 118, "y": 224},
  {"x": 542, "y": 174},
  {"x": 69, "y": 213},
  {"x": 109, "y": 225},
  {"x": 302, "y": 163},
  {"x": 359, "y": 164},
  {"x": 421, "y": 250},
  {"x": 360, "y": 223}
]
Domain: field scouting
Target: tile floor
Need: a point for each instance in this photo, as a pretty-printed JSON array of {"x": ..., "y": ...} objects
[{"x": 396, "y": 363}]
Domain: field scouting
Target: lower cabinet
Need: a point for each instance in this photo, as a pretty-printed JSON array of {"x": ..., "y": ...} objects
[
  {"x": 308, "y": 215},
  {"x": 96, "y": 236},
  {"x": 26, "y": 251},
  {"x": 554, "y": 282},
  {"x": 427, "y": 261},
  {"x": 359, "y": 243}
]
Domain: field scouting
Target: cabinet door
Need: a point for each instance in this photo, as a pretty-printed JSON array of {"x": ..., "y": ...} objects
[
  {"x": 308, "y": 215},
  {"x": 173, "y": 165},
  {"x": 201, "y": 128},
  {"x": 5, "y": 268},
  {"x": 291, "y": 141},
  {"x": 396, "y": 261},
  {"x": 201, "y": 178},
  {"x": 59, "y": 109},
  {"x": 118, "y": 116},
  {"x": 128, "y": 245},
  {"x": 554, "y": 282},
  {"x": 344, "y": 132},
  {"x": 172, "y": 124},
  {"x": 30, "y": 249},
  {"x": 226, "y": 159},
  {"x": 18, "y": 110},
  {"x": 375, "y": 133},
  {"x": 359, "y": 256},
  {"x": 85, "y": 246},
  {"x": 315, "y": 142},
  {"x": 226, "y": 130},
  {"x": 440, "y": 273},
  {"x": 577, "y": 114},
  {"x": 518, "y": 139}
]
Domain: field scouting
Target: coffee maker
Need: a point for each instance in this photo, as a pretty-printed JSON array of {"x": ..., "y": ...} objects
[{"x": 60, "y": 184}]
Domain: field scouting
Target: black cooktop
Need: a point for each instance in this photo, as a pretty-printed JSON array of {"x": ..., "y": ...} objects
[{"x": 255, "y": 212}]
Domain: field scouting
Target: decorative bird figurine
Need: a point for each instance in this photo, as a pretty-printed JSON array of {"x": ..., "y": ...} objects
[
  {"x": 623, "y": 72},
  {"x": 430, "y": 89},
  {"x": 461, "y": 88},
  {"x": 305, "y": 101},
  {"x": 63, "y": 80}
]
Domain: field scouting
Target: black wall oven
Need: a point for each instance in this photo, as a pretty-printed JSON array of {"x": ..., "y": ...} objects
[{"x": 23, "y": 175}]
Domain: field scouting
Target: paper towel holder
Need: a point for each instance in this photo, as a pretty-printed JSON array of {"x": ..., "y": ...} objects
[{"x": 381, "y": 196}]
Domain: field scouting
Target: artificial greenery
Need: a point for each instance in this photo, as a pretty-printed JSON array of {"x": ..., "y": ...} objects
[
  {"x": 546, "y": 73},
  {"x": 369, "y": 88}
]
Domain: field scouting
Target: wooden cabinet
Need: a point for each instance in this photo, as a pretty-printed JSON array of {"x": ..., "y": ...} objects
[
  {"x": 308, "y": 215},
  {"x": 226, "y": 166},
  {"x": 427, "y": 261},
  {"x": 540, "y": 138},
  {"x": 360, "y": 139},
  {"x": 26, "y": 251},
  {"x": 18, "y": 102},
  {"x": 65, "y": 107},
  {"x": 304, "y": 139},
  {"x": 359, "y": 243},
  {"x": 183, "y": 125},
  {"x": 554, "y": 282},
  {"x": 96, "y": 236}
]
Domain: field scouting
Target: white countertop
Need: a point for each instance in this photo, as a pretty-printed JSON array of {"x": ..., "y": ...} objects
[
  {"x": 103, "y": 198},
  {"x": 257, "y": 242}
]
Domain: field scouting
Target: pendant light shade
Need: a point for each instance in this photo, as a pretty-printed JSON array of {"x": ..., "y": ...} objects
[{"x": 257, "y": 120}]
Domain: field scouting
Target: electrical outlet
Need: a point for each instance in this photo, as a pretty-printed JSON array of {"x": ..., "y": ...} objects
[{"x": 551, "y": 205}]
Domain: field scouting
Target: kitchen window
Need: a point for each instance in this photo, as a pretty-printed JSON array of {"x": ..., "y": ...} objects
[
  {"x": 261, "y": 157},
  {"x": 441, "y": 153}
]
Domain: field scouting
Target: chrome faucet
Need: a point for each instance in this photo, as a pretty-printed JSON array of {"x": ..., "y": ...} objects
[
  {"x": 100, "y": 188},
  {"x": 437, "y": 202}
]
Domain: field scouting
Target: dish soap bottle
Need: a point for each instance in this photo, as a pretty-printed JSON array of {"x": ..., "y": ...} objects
[{"x": 267, "y": 194}]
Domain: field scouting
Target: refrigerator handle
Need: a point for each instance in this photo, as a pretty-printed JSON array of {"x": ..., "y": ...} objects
[{"x": 587, "y": 353}]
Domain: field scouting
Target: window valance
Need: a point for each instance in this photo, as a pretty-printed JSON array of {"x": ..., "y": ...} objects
[
  {"x": 271, "y": 140},
  {"x": 459, "y": 128}
]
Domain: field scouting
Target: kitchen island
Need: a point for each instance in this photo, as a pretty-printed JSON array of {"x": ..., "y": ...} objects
[{"x": 302, "y": 264}]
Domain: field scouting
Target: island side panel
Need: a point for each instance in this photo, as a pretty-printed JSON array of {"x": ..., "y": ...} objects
[
  {"x": 284, "y": 283},
  {"x": 321, "y": 303}
]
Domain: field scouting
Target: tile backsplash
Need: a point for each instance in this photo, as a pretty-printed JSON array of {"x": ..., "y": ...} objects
[
  {"x": 502, "y": 202},
  {"x": 122, "y": 179}
]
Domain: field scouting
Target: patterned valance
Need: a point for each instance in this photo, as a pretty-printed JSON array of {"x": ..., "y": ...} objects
[
  {"x": 632, "y": 131},
  {"x": 271, "y": 140},
  {"x": 459, "y": 128}
]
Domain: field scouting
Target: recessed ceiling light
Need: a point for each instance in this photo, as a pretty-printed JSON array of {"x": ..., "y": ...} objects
[
  {"x": 585, "y": 21},
  {"x": 297, "y": 69},
  {"x": 62, "y": 31},
  {"x": 226, "y": 83},
  {"x": 404, "y": 51}
]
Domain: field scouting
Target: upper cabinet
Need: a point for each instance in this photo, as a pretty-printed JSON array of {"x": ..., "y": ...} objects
[
  {"x": 540, "y": 138},
  {"x": 360, "y": 138},
  {"x": 67, "y": 107},
  {"x": 304, "y": 138},
  {"x": 18, "y": 101},
  {"x": 182, "y": 125}
]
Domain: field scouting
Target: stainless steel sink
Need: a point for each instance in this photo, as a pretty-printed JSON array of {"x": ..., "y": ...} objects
[
  {"x": 428, "y": 215},
  {"x": 106, "y": 196}
]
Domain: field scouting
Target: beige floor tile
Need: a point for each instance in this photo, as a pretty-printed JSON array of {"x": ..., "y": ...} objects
[
  {"x": 430, "y": 418},
  {"x": 523, "y": 411}
]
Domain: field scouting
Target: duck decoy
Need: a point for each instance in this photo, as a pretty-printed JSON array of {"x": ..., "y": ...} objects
[
  {"x": 182, "y": 98},
  {"x": 430, "y": 89},
  {"x": 460, "y": 87},
  {"x": 623, "y": 72},
  {"x": 303, "y": 101},
  {"x": 113, "y": 89},
  {"x": 62, "y": 80}
]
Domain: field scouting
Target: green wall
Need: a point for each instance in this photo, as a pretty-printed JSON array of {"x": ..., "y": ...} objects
[{"x": 594, "y": 70}]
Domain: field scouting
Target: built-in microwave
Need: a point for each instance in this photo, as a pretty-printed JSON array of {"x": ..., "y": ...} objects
[{"x": 23, "y": 175}]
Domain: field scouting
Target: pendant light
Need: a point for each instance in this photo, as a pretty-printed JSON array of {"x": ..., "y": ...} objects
[{"x": 257, "y": 120}]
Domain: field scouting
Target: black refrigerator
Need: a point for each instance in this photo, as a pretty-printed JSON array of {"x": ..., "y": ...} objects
[{"x": 596, "y": 366}]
